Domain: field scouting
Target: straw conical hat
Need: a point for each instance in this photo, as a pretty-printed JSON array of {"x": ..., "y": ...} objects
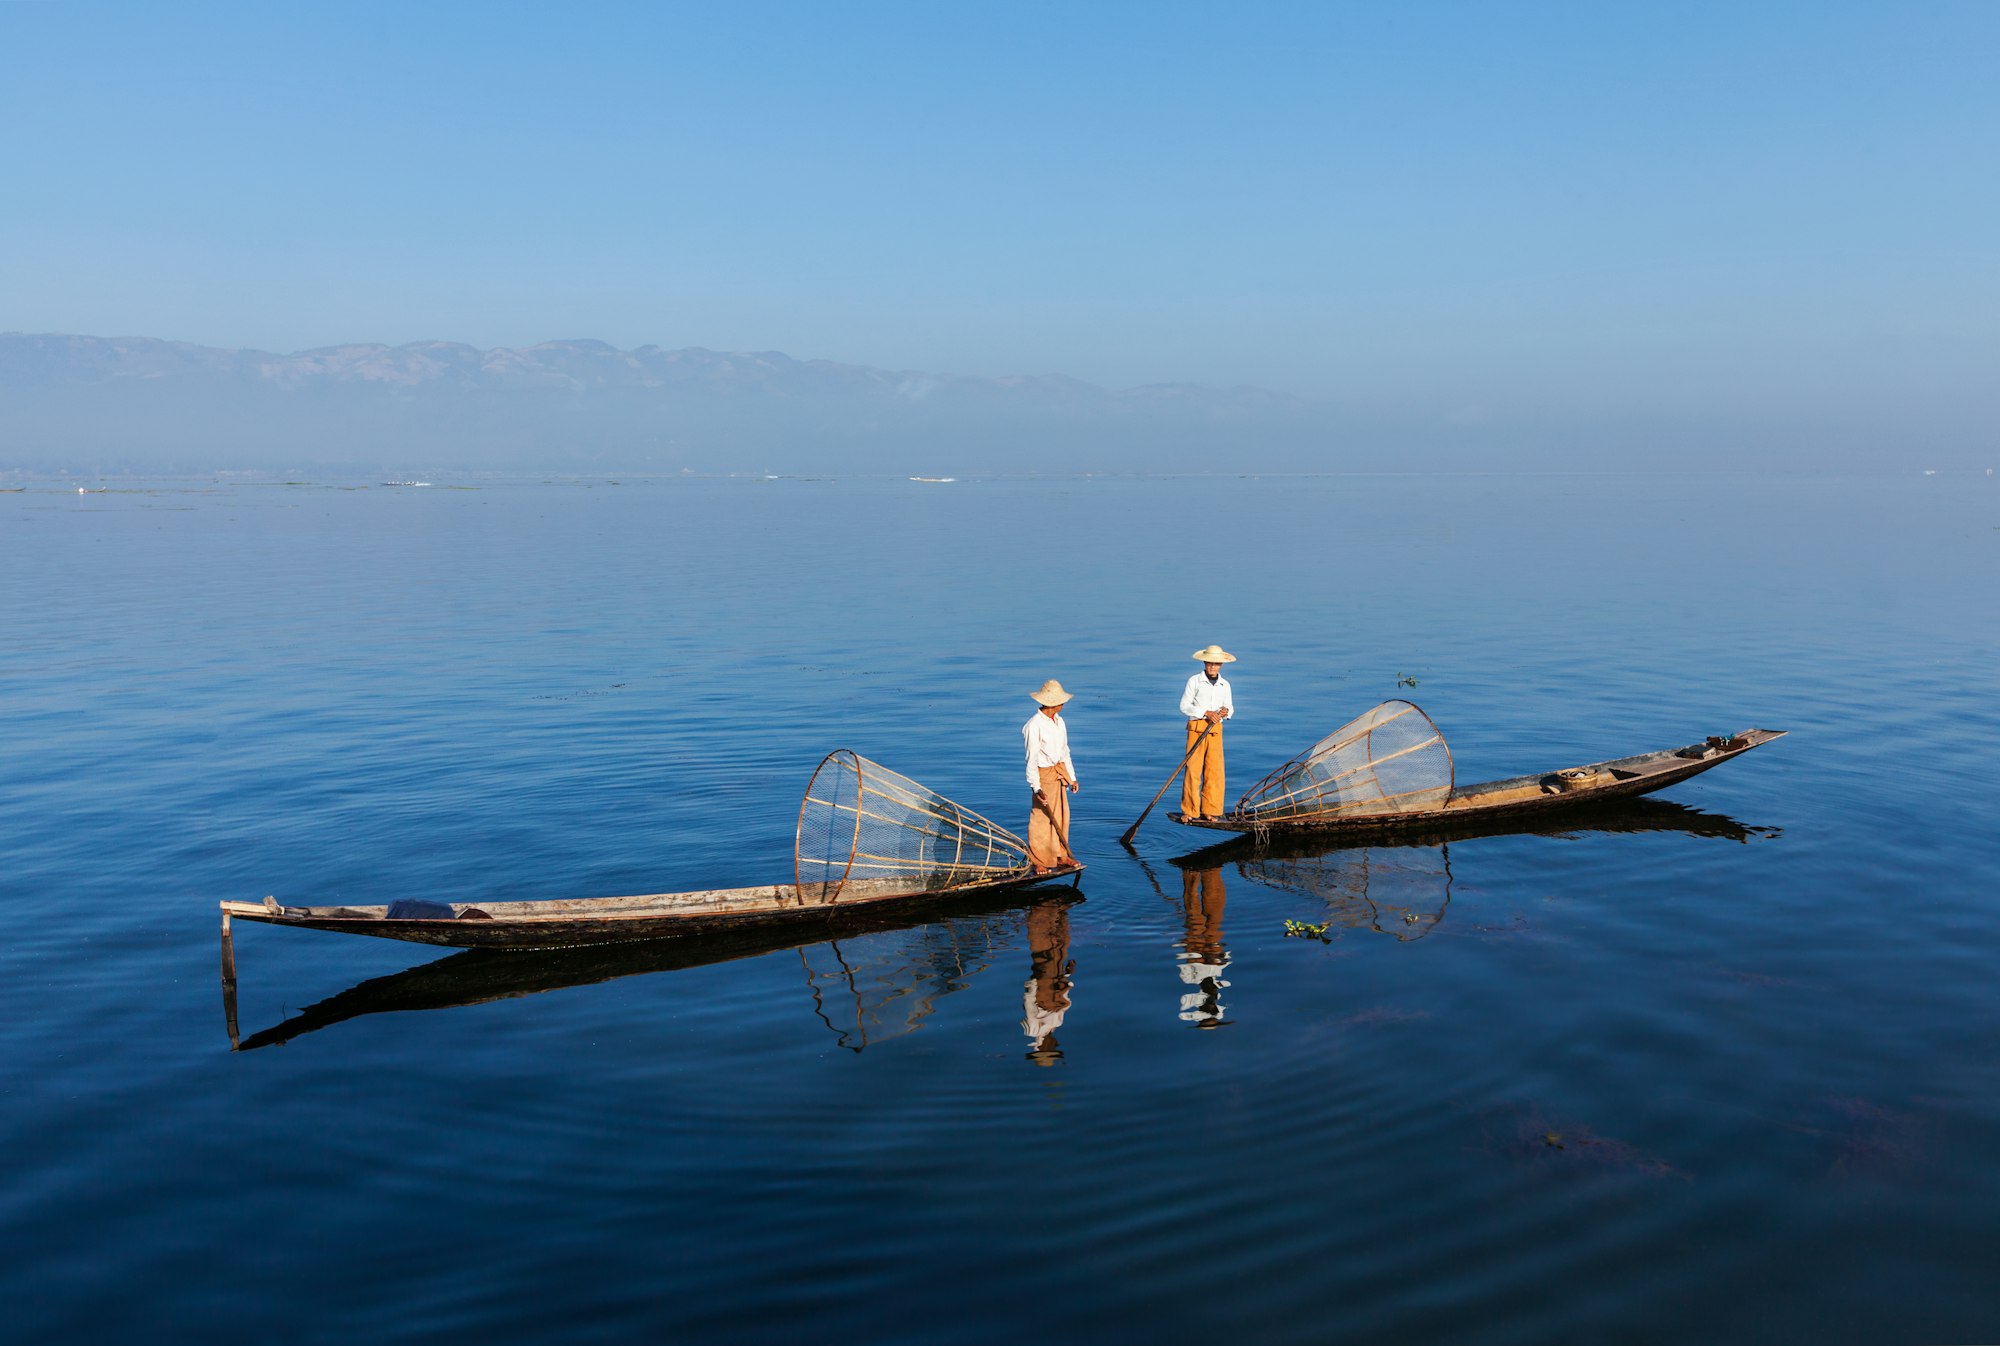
[
  {"x": 1051, "y": 694},
  {"x": 1215, "y": 654}
]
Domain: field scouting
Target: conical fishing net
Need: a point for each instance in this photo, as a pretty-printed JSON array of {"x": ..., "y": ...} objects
[
  {"x": 866, "y": 831},
  {"x": 1391, "y": 760}
]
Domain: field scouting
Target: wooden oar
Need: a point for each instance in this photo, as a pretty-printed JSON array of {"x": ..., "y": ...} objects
[{"x": 1133, "y": 830}]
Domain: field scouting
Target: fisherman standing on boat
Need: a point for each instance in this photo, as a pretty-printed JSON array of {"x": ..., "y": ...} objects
[
  {"x": 1206, "y": 702},
  {"x": 1050, "y": 774}
]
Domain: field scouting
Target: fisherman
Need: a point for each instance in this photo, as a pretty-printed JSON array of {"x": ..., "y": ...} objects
[
  {"x": 1206, "y": 702},
  {"x": 1050, "y": 770}
]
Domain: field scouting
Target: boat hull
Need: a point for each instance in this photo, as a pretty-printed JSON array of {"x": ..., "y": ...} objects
[
  {"x": 1517, "y": 796},
  {"x": 582, "y": 921}
]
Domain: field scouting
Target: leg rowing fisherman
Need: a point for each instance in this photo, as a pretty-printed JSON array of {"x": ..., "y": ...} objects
[
  {"x": 1206, "y": 701},
  {"x": 1052, "y": 778}
]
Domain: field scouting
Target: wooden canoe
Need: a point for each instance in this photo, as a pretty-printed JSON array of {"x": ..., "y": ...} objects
[
  {"x": 866, "y": 837},
  {"x": 479, "y": 976},
  {"x": 1519, "y": 796},
  {"x": 566, "y": 922}
]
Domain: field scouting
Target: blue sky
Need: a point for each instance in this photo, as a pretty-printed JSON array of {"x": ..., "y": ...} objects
[{"x": 1461, "y": 213}]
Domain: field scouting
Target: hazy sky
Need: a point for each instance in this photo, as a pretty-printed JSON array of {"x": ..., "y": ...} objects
[{"x": 1463, "y": 211}]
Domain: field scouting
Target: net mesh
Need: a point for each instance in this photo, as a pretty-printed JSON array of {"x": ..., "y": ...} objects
[
  {"x": 865, "y": 830},
  {"x": 1390, "y": 760}
]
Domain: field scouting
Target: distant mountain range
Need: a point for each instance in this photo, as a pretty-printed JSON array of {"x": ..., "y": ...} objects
[{"x": 138, "y": 404}]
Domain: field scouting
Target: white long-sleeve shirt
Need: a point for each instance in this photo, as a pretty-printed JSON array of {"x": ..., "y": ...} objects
[
  {"x": 1203, "y": 696},
  {"x": 1047, "y": 742}
]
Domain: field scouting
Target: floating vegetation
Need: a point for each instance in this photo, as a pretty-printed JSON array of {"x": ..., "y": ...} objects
[
  {"x": 1308, "y": 930},
  {"x": 1525, "y": 1134},
  {"x": 1405, "y": 680}
]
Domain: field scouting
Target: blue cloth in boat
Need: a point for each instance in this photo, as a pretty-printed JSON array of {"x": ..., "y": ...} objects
[{"x": 419, "y": 909}]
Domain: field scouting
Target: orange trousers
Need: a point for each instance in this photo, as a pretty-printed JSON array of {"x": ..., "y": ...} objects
[
  {"x": 1201, "y": 787},
  {"x": 1203, "y": 898},
  {"x": 1048, "y": 837}
]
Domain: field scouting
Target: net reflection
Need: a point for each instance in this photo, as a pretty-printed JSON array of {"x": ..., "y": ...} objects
[
  {"x": 1399, "y": 891},
  {"x": 870, "y": 977},
  {"x": 883, "y": 986}
]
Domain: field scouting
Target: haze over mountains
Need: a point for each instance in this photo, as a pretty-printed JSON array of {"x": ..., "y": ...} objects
[
  {"x": 89, "y": 404},
  {"x": 70, "y": 403}
]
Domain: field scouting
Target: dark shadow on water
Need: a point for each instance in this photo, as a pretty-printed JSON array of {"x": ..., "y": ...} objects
[
  {"x": 1633, "y": 815},
  {"x": 1399, "y": 883},
  {"x": 860, "y": 997}
]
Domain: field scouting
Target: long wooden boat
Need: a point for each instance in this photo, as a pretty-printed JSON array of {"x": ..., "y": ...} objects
[
  {"x": 866, "y": 837},
  {"x": 565, "y": 922},
  {"x": 1390, "y": 770},
  {"x": 479, "y": 976}
]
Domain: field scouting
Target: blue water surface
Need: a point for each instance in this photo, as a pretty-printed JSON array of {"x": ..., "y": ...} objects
[{"x": 1726, "y": 1069}]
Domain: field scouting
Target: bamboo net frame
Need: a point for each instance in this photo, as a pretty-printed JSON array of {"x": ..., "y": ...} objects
[
  {"x": 862, "y": 824},
  {"x": 1390, "y": 760}
]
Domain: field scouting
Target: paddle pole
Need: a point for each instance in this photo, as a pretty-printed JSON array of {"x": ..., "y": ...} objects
[{"x": 1133, "y": 830}]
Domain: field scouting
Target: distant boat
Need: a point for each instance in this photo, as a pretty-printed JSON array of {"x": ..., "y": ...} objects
[
  {"x": 406, "y": 483},
  {"x": 1930, "y": 472},
  {"x": 934, "y": 480}
]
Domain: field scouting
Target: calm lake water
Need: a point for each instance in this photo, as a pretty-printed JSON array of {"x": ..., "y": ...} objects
[{"x": 1724, "y": 1068}]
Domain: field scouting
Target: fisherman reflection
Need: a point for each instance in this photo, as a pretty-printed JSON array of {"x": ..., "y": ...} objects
[
  {"x": 1046, "y": 995},
  {"x": 1203, "y": 958}
]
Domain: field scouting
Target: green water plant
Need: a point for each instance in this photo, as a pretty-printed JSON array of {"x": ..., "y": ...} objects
[
  {"x": 1307, "y": 930},
  {"x": 1405, "y": 680}
]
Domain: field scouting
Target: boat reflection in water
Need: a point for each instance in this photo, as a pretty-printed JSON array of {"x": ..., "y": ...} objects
[
  {"x": 1400, "y": 884},
  {"x": 870, "y": 977}
]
